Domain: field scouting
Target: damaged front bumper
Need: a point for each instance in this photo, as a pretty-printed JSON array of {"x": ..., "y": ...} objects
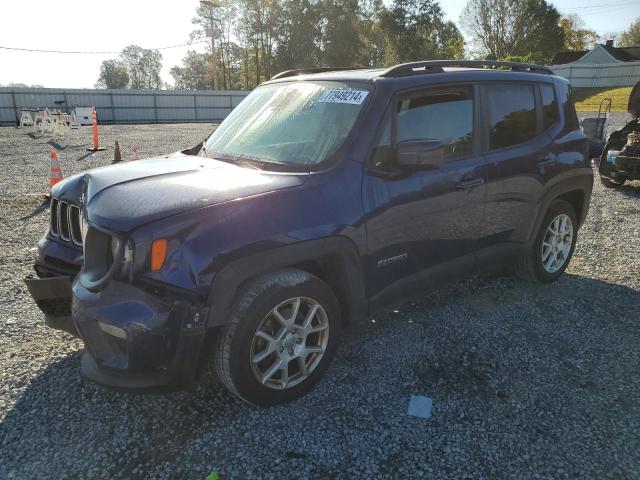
[
  {"x": 56, "y": 267},
  {"x": 53, "y": 297},
  {"x": 133, "y": 339},
  {"x": 136, "y": 340}
]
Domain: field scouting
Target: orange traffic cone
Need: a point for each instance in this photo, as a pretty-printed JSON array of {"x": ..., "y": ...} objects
[
  {"x": 56, "y": 173},
  {"x": 94, "y": 123}
]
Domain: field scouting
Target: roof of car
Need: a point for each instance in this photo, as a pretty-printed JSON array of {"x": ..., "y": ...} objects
[{"x": 412, "y": 70}]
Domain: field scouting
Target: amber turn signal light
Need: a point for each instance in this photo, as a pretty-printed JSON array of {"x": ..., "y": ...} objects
[{"x": 158, "y": 253}]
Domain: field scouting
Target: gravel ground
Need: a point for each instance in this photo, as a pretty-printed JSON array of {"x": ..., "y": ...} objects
[{"x": 527, "y": 381}]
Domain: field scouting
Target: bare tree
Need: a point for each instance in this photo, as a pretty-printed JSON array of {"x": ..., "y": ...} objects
[
  {"x": 631, "y": 36},
  {"x": 208, "y": 17}
]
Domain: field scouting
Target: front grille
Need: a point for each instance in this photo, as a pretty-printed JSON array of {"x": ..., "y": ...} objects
[
  {"x": 65, "y": 221},
  {"x": 55, "y": 307}
]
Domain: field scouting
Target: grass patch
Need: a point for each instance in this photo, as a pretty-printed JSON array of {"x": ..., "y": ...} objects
[{"x": 588, "y": 99}]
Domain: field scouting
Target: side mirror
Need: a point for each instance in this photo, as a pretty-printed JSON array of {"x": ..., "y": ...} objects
[{"x": 420, "y": 154}]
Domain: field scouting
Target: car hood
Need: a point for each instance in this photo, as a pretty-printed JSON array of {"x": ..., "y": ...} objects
[
  {"x": 634, "y": 101},
  {"x": 127, "y": 195}
]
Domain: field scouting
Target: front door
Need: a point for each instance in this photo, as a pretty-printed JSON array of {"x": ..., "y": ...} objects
[{"x": 422, "y": 221}]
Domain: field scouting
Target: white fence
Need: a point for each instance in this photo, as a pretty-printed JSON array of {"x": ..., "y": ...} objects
[
  {"x": 123, "y": 106},
  {"x": 599, "y": 75}
]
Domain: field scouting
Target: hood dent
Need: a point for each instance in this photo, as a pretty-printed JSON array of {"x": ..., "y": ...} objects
[{"x": 124, "y": 196}]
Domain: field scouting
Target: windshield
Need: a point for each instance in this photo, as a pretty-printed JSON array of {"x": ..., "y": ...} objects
[{"x": 299, "y": 123}]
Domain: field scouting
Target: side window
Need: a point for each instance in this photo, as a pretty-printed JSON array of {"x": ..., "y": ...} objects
[
  {"x": 549, "y": 105},
  {"x": 445, "y": 115},
  {"x": 512, "y": 115},
  {"x": 568, "y": 107}
]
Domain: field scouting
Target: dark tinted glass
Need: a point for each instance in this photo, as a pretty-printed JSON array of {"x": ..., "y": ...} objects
[
  {"x": 512, "y": 115},
  {"x": 382, "y": 153},
  {"x": 444, "y": 115},
  {"x": 549, "y": 105},
  {"x": 570, "y": 117}
]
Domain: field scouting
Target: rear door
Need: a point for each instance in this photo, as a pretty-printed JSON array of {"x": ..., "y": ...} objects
[
  {"x": 426, "y": 220},
  {"x": 521, "y": 160}
]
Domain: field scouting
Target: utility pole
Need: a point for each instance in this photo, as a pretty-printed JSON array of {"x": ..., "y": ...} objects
[{"x": 214, "y": 59}]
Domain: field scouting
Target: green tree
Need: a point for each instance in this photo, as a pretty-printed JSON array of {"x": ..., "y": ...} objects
[
  {"x": 300, "y": 35},
  {"x": 143, "y": 67},
  {"x": 374, "y": 35},
  {"x": 548, "y": 37},
  {"x": 259, "y": 27},
  {"x": 113, "y": 74},
  {"x": 631, "y": 36},
  {"x": 416, "y": 30},
  {"x": 450, "y": 41},
  {"x": 342, "y": 40},
  {"x": 500, "y": 28},
  {"x": 193, "y": 74},
  {"x": 254, "y": 39},
  {"x": 576, "y": 36}
]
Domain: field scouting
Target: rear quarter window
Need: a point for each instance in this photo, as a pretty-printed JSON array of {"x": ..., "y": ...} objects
[
  {"x": 568, "y": 106},
  {"x": 512, "y": 115},
  {"x": 550, "y": 112}
]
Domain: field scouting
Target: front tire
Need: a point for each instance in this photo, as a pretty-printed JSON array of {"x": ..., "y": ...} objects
[
  {"x": 282, "y": 333},
  {"x": 553, "y": 247}
]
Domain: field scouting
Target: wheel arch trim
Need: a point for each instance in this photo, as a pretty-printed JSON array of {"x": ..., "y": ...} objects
[{"x": 341, "y": 251}]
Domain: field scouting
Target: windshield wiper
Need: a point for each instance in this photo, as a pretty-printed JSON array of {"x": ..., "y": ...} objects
[
  {"x": 239, "y": 160},
  {"x": 250, "y": 163}
]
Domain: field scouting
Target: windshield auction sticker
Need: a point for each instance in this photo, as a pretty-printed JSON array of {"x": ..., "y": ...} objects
[{"x": 353, "y": 97}]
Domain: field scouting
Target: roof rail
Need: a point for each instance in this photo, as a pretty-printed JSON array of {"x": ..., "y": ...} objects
[
  {"x": 436, "y": 66},
  {"x": 304, "y": 71}
]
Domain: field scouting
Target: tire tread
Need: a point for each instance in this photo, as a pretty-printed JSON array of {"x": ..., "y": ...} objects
[
  {"x": 525, "y": 267},
  {"x": 244, "y": 299}
]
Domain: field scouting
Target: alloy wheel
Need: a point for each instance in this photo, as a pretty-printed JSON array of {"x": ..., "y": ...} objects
[
  {"x": 289, "y": 343},
  {"x": 556, "y": 244}
]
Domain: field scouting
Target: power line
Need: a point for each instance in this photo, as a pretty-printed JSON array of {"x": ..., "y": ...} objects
[
  {"x": 600, "y": 12},
  {"x": 38, "y": 50},
  {"x": 619, "y": 4}
]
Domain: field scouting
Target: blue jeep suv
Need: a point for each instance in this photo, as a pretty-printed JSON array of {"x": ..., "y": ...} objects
[{"x": 325, "y": 194}]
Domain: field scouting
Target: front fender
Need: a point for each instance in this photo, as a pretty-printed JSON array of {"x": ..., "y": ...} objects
[{"x": 342, "y": 260}]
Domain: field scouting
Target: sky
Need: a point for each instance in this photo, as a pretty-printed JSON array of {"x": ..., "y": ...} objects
[{"x": 81, "y": 25}]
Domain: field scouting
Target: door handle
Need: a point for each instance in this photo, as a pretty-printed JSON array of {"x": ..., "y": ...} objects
[
  {"x": 468, "y": 184},
  {"x": 547, "y": 162}
]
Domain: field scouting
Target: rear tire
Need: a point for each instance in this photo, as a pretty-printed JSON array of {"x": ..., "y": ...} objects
[
  {"x": 607, "y": 182},
  {"x": 553, "y": 246},
  {"x": 282, "y": 333}
]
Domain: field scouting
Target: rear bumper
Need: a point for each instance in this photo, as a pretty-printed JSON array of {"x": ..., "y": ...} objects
[{"x": 135, "y": 340}]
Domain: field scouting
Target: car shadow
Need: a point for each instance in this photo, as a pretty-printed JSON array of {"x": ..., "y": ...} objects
[
  {"x": 46, "y": 202},
  {"x": 630, "y": 189},
  {"x": 69, "y": 419},
  {"x": 67, "y": 416}
]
